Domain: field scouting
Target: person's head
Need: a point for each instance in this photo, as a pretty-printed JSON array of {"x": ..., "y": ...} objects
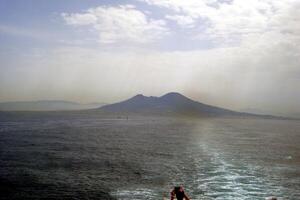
[{"x": 178, "y": 189}]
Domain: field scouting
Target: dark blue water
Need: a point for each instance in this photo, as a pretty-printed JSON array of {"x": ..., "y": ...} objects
[{"x": 89, "y": 156}]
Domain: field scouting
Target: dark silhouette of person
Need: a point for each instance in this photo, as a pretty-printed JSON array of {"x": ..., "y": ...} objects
[{"x": 178, "y": 192}]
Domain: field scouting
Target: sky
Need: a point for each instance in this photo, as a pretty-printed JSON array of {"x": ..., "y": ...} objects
[{"x": 237, "y": 54}]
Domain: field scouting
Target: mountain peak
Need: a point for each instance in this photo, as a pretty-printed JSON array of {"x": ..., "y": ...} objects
[
  {"x": 172, "y": 102},
  {"x": 139, "y": 95},
  {"x": 173, "y": 94}
]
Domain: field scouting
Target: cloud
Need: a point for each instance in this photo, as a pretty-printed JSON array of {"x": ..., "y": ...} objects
[
  {"x": 254, "y": 63},
  {"x": 182, "y": 20},
  {"x": 230, "y": 21},
  {"x": 254, "y": 74},
  {"x": 80, "y": 19},
  {"x": 122, "y": 23}
]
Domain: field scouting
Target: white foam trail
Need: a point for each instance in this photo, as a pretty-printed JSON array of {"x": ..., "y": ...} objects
[
  {"x": 224, "y": 180},
  {"x": 134, "y": 194}
]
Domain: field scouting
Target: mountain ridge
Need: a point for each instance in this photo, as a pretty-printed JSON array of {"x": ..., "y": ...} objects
[{"x": 172, "y": 103}]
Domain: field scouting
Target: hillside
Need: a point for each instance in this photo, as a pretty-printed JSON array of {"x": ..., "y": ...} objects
[{"x": 170, "y": 103}]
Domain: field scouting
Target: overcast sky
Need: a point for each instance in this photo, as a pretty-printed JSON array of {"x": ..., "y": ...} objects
[{"x": 236, "y": 54}]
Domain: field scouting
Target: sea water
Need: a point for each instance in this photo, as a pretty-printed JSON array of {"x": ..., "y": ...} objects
[{"x": 90, "y": 156}]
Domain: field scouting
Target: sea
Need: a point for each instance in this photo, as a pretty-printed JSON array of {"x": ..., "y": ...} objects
[{"x": 86, "y": 155}]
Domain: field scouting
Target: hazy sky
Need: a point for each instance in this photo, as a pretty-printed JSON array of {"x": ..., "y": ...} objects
[{"x": 232, "y": 53}]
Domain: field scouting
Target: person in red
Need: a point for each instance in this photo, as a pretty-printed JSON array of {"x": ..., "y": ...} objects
[{"x": 178, "y": 192}]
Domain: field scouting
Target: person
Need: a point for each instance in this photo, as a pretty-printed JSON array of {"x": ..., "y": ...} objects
[{"x": 179, "y": 193}]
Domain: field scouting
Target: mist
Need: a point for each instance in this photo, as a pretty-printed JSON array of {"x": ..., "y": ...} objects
[{"x": 254, "y": 67}]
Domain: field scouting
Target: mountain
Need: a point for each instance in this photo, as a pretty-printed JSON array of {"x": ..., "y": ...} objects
[
  {"x": 46, "y": 105},
  {"x": 171, "y": 103}
]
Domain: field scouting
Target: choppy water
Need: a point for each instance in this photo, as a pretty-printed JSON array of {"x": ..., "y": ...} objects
[{"x": 85, "y": 156}]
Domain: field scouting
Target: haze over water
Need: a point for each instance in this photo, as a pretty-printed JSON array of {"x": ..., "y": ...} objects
[
  {"x": 92, "y": 156},
  {"x": 236, "y": 54},
  {"x": 229, "y": 57}
]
